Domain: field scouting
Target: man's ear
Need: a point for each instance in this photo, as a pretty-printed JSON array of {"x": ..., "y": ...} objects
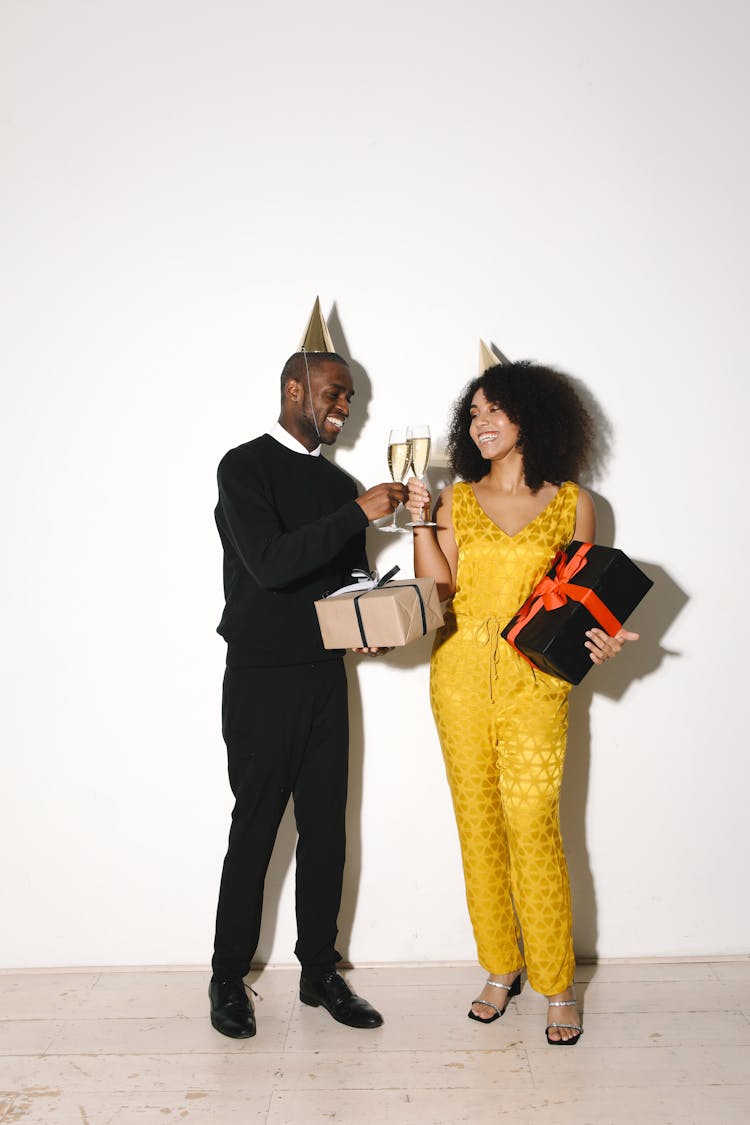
[{"x": 293, "y": 390}]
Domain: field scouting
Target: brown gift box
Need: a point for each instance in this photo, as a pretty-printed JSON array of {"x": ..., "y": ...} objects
[{"x": 384, "y": 617}]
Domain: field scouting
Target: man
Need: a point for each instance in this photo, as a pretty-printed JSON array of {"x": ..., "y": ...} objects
[{"x": 292, "y": 529}]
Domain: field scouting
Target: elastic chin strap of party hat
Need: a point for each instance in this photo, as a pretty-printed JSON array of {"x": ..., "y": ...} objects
[{"x": 309, "y": 394}]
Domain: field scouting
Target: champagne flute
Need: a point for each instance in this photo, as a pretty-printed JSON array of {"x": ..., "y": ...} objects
[
  {"x": 399, "y": 459},
  {"x": 419, "y": 441}
]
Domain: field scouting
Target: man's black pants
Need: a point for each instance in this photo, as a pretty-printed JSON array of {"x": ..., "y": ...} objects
[{"x": 287, "y": 733}]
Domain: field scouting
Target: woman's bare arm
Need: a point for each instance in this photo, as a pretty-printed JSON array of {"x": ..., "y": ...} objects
[
  {"x": 435, "y": 549},
  {"x": 600, "y": 645},
  {"x": 585, "y": 531}
]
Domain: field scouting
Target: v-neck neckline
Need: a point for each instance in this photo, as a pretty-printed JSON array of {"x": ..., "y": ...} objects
[{"x": 526, "y": 526}]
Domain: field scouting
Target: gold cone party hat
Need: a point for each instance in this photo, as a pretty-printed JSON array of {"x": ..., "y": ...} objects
[
  {"x": 316, "y": 337},
  {"x": 489, "y": 358}
]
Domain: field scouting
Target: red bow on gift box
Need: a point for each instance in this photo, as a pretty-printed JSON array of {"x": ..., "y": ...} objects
[{"x": 554, "y": 590}]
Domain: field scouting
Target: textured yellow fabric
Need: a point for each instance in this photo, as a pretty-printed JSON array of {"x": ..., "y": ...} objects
[{"x": 503, "y": 727}]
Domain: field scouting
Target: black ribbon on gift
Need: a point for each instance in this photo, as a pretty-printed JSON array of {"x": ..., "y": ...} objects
[{"x": 386, "y": 578}]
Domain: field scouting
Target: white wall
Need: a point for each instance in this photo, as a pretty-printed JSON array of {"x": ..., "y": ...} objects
[{"x": 180, "y": 178}]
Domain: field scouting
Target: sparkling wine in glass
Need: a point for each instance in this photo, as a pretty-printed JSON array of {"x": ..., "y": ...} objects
[
  {"x": 419, "y": 439},
  {"x": 399, "y": 460}
]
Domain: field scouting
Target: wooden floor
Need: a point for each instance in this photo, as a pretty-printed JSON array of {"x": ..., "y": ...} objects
[{"x": 664, "y": 1044}]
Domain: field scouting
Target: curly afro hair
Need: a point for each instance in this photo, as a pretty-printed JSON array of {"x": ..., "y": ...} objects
[{"x": 555, "y": 429}]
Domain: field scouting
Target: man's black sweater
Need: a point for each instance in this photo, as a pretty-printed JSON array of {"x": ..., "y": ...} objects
[{"x": 291, "y": 531}]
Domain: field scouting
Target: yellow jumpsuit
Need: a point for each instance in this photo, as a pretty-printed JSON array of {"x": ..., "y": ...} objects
[{"x": 503, "y": 727}]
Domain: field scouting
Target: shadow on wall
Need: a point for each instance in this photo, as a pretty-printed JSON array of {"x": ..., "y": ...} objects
[
  {"x": 651, "y": 619},
  {"x": 359, "y": 406}
]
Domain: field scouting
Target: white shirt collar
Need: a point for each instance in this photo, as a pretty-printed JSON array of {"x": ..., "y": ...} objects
[{"x": 284, "y": 438}]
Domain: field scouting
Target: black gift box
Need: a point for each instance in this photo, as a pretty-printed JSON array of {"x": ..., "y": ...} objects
[{"x": 553, "y": 622}]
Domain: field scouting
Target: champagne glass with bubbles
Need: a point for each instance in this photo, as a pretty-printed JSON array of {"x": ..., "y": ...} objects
[
  {"x": 399, "y": 460},
  {"x": 419, "y": 443}
]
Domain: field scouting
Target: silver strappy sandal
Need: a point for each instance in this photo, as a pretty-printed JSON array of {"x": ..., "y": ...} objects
[
  {"x": 511, "y": 990},
  {"x": 567, "y": 1026}
]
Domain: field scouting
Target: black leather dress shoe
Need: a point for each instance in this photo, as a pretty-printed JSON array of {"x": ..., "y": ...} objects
[
  {"x": 231, "y": 1011},
  {"x": 330, "y": 991}
]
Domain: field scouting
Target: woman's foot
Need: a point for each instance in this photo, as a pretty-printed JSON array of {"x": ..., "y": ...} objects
[
  {"x": 563, "y": 1018},
  {"x": 495, "y": 996}
]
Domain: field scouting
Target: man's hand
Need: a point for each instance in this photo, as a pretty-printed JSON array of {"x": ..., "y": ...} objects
[
  {"x": 371, "y": 651},
  {"x": 382, "y": 500}
]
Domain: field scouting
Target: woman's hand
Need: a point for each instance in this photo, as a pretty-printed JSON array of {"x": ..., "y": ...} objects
[
  {"x": 418, "y": 499},
  {"x": 603, "y": 647},
  {"x": 371, "y": 651}
]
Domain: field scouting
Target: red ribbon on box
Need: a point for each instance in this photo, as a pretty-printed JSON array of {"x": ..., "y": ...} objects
[{"x": 554, "y": 591}]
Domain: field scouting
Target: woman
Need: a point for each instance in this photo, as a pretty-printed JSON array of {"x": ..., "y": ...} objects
[{"x": 519, "y": 437}]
